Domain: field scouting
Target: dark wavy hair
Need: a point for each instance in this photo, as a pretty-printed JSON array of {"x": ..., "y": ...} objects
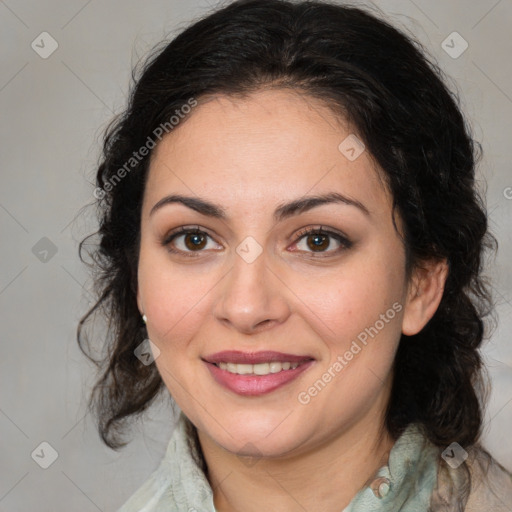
[{"x": 384, "y": 83}]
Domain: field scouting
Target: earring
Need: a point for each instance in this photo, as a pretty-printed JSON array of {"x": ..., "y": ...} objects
[{"x": 144, "y": 318}]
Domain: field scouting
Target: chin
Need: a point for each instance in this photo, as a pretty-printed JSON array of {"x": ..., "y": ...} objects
[{"x": 257, "y": 435}]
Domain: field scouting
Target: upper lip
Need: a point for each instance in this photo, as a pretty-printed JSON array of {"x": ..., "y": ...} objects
[{"x": 267, "y": 356}]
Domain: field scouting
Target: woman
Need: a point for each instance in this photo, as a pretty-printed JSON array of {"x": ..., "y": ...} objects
[{"x": 291, "y": 246}]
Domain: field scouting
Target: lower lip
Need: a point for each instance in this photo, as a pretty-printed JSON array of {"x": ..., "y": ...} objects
[{"x": 254, "y": 385}]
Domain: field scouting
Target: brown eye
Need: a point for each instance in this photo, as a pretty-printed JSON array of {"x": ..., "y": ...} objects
[
  {"x": 194, "y": 241},
  {"x": 320, "y": 240},
  {"x": 186, "y": 241},
  {"x": 317, "y": 241}
]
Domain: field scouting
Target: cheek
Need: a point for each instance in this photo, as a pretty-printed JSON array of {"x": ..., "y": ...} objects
[
  {"x": 358, "y": 318},
  {"x": 173, "y": 298},
  {"x": 344, "y": 304}
]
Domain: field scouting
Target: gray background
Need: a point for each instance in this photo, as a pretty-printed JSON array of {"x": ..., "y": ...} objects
[{"x": 53, "y": 112}]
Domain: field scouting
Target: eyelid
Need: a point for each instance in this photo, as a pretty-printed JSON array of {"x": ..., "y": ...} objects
[{"x": 180, "y": 230}]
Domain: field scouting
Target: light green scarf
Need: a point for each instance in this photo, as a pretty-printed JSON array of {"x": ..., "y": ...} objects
[{"x": 179, "y": 484}]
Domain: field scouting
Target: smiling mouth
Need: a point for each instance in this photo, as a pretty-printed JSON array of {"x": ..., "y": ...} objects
[{"x": 255, "y": 373}]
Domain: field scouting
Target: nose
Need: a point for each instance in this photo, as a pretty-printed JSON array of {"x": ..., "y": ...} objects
[{"x": 252, "y": 297}]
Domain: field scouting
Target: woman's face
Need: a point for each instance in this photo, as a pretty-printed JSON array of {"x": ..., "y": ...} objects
[{"x": 254, "y": 283}]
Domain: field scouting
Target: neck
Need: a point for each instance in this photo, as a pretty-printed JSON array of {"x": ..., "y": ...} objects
[{"x": 336, "y": 470}]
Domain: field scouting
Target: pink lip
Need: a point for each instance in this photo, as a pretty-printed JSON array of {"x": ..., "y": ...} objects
[
  {"x": 237, "y": 357},
  {"x": 254, "y": 385}
]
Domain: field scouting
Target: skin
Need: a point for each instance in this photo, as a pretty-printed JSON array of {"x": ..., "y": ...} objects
[{"x": 250, "y": 156}]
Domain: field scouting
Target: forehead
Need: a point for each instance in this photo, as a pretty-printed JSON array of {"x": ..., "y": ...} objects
[{"x": 270, "y": 146}]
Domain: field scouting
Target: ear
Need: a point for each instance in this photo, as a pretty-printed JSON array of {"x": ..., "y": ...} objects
[{"x": 424, "y": 294}]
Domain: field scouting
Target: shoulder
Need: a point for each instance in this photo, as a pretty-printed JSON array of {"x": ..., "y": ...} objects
[
  {"x": 479, "y": 484},
  {"x": 491, "y": 483}
]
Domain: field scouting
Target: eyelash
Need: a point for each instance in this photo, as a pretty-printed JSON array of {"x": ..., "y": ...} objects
[{"x": 186, "y": 230}]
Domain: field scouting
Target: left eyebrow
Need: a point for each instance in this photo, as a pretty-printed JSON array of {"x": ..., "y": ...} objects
[
  {"x": 284, "y": 211},
  {"x": 308, "y": 202}
]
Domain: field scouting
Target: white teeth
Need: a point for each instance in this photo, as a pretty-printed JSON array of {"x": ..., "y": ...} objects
[
  {"x": 257, "y": 369},
  {"x": 244, "y": 369},
  {"x": 275, "y": 367},
  {"x": 261, "y": 369}
]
